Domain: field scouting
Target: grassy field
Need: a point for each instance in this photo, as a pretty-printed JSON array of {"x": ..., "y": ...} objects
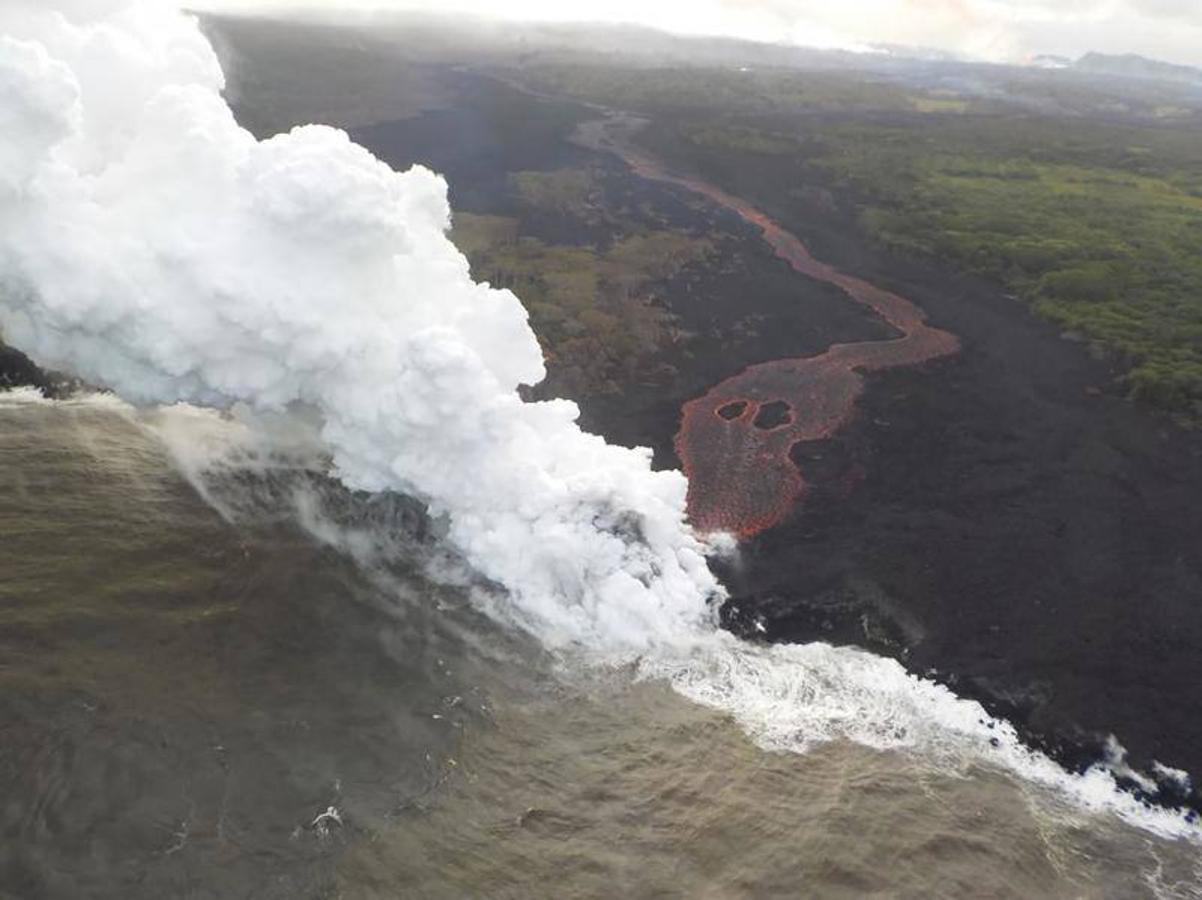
[
  {"x": 591, "y": 306},
  {"x": 1098, "y": 228}
]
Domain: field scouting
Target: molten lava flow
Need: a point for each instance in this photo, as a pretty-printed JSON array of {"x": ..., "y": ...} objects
[{"x": 741, "y": 477}]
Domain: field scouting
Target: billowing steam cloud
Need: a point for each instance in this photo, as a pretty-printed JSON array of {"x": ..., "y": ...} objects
[{"x": 150, "y": 244}]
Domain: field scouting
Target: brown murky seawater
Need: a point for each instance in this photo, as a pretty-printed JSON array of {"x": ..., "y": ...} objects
[{"x": 182, "y": 699}]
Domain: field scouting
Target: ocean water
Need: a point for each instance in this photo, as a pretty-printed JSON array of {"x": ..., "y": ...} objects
[{"x": 241, "y": 695}]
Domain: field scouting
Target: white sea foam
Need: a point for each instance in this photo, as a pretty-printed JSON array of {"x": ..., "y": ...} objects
[
  {"x": 31, "y": 396},
  {"x": 22, "y": 396},
  {"x": 791, "y": 697},
  {"x": 149, "y": 244}
]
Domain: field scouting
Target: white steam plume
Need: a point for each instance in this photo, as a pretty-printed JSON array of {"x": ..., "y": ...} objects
[{"x": 149, "y": 243}]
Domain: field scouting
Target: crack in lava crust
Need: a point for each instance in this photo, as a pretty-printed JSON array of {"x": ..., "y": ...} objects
[{"x": 742, "y": 479}]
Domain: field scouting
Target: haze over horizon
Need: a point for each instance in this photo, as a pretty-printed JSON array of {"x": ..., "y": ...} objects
[{"x": 993, "y": 30}]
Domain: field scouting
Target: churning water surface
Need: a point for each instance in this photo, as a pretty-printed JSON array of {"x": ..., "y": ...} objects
[{"x": 203, "y": 705}]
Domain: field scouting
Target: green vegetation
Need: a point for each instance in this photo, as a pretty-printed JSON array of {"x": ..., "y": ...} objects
[
  {"x": 741, "y": 139},
  {"x": 591, "y": 307},
  {"x": 940, "y": 103},
  {"x": 681, "y": 89},
  {"x": 1102, "y": 236},
  {"x": 565, "y": 191}
]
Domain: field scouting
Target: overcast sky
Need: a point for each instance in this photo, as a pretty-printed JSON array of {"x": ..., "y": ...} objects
[{"x": 1003, "y": 30}]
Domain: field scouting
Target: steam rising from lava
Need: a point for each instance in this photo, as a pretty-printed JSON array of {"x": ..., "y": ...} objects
[{"x": 149, "y": 243}]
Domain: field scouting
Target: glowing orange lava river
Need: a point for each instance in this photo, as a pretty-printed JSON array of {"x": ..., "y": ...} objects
[{"x": 735, "y": 441}]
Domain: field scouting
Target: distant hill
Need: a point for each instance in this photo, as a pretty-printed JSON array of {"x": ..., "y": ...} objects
[{"x": 1131, "y": 65}]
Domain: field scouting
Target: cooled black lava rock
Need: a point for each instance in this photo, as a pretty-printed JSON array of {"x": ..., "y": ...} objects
[{"x": 18, "y": 370}]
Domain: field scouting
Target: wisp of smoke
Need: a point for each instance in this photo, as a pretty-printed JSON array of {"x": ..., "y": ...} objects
[{"x": 150, "y": 244}]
